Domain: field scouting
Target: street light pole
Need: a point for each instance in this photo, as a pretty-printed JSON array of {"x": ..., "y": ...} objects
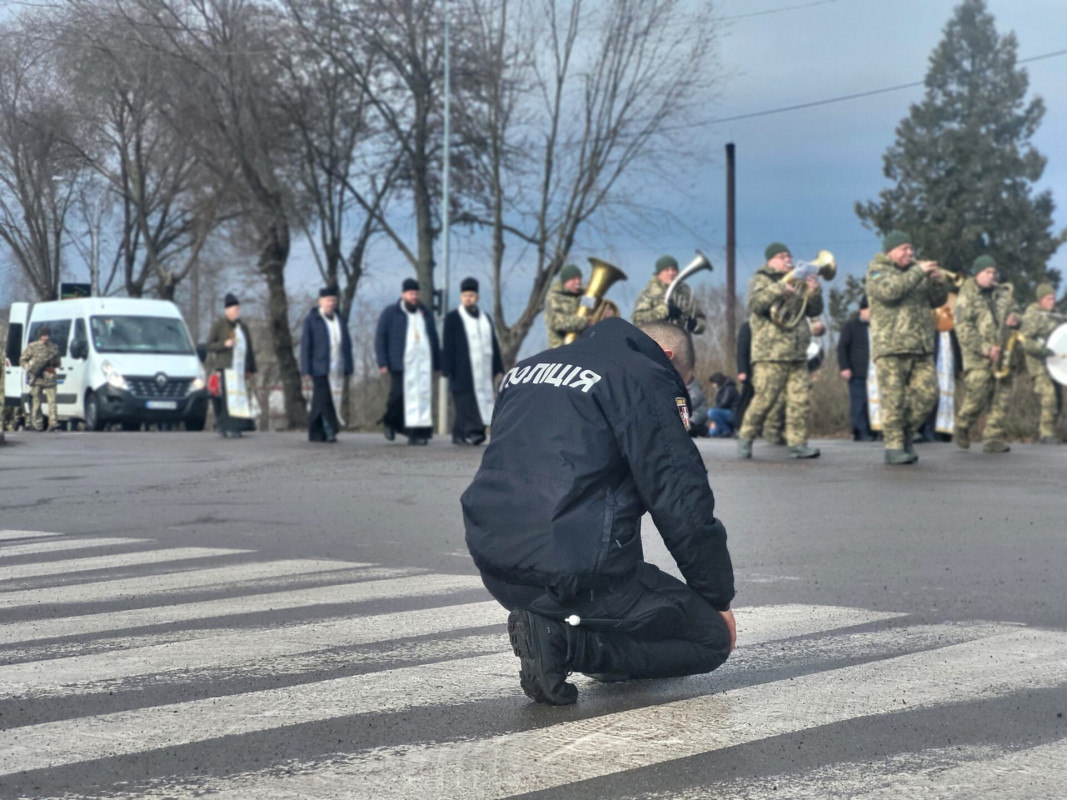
[{"x": 442, "y": 390}]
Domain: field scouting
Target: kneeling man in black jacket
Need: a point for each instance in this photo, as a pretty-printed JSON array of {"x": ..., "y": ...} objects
[{"x": 586, "y": 439}]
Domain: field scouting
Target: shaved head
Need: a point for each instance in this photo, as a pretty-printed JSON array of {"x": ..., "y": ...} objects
[{"x": 675, "y": 341}]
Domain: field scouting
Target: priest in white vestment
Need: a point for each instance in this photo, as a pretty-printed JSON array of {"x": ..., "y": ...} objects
[
  {"x": 406, "y": 349},
  {"x": 325, "y": 358},
  {"x": 471, "y": 361}
]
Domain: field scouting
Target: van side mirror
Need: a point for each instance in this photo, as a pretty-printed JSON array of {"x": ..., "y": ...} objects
[{"x": 79, "y": 348}]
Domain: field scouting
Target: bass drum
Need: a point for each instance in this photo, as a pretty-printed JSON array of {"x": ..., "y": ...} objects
[
  {"x": 815, "y": 355},
  {"x": 1057, "y": 364}
]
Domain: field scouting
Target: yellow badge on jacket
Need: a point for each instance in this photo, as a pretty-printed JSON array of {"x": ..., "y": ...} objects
[{"x": 683, "y": 411}]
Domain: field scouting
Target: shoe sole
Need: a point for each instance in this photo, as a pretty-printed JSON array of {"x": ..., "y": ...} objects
[{"x": 524, "y": 646}]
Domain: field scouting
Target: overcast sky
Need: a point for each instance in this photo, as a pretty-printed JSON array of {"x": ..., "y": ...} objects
[{"x": 799, "y": 173}]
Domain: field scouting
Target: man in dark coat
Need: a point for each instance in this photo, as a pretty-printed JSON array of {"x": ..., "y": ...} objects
[
  {"x": 325, "y": 356},
  {"x": 853, "y": 359},
  {"x": 229, "y": 347},
  {"x": 722, "y": 416},
  {"x": 405, "y": 345},
  {"x": 470, "y": 359},
  {"x": 586, "y": 439}
]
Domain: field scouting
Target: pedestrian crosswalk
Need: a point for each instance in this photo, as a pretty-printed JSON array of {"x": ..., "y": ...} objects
[{"x": 127, "y": 666}]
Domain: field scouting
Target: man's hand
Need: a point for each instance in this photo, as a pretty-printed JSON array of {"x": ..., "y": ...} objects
[
  {"x": 846, "y": 374},
  {"x": 994, "y": 353},
  {"x": 228, "y": 343},
  {"x": 731, "y": 625},
  {"x": 673, "y": 311},
  {"x": 813, "y": 283},
  {"x": 383, "y": 370},
  {"x": 818, "y": 328},
  {"x": 1012, "y": 321},
  {"x": 742, "y": 376},
  {"x": 931, "y": 269}
]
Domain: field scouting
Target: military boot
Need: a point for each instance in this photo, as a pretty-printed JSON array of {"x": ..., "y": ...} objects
[
  {"x": 900, "y": 457},
  {"x": 962, "y": 437},
  {"x": 543, "y": 650},
  {"x": 744, "y": 448},
  {"x": 803, "y": 451},
  {"x": 995, "y": 446}
]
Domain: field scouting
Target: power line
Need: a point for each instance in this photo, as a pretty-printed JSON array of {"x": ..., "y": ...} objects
[
  {"x": 777, "y": 10},
  {"x": 854, "y": 96}
]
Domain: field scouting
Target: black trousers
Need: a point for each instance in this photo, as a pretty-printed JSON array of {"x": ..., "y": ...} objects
[
  {"x": 747, "y": 393},
  {"x": 323, "y": 420},
  {"x": 648, "y": 626},
  {"x": 857, "y": 403},
  {"x": 394, "y": 408},
  {"x": 468, "y": 420}
]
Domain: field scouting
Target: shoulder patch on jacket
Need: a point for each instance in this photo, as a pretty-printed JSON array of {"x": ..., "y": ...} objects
[{"x": 683, "y": 411}]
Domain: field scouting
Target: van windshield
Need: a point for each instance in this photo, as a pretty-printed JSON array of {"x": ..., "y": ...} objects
[{"x": 140, "y": 335}]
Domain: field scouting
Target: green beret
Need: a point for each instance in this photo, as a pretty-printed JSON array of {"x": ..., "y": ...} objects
[
  {"x": 1044, "y": 290},
  {"x": 568, "y": 272},
  {"x": 665, "y": 262},
  {"x": 983, "y": 262},
  {"x": 773, "y": 249},
  {"x": 894, "y": 239}
]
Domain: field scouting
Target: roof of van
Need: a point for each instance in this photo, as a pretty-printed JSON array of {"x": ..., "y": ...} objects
[{"x": 119, "y": 306}]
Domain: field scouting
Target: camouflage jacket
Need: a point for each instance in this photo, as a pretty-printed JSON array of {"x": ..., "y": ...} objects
[
  {"x": 36, "y": 358},
  {"x": 901, "y": 301},
  {"x": 561, "y": 314},
  {"x": 651, "y": 306},
  {"x": 1035, "y": 327},
  {"x": 979, "y": 317},
  {"x": 770, "y": 342}
]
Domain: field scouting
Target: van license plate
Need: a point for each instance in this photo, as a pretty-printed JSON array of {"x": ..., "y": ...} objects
[{"x": 161, "y": 405}]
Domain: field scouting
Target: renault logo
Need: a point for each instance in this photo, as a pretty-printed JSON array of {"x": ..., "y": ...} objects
[{"x": 161, "y": 380}]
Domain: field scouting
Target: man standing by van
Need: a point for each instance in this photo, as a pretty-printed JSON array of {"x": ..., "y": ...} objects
[{"x": 40, "y": 360}]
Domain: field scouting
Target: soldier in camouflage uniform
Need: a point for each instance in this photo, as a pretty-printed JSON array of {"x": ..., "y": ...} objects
[
  {"x": 561, "y": 306},
  {"x": 1037, "y": 323},
  {"x": 40, "y": 360},
  {"x": 901, "y": 293},
  {"x": 983, "y": 311},
  {"x": 779, "y": 355},
  {"x": 652, "y": 305}
]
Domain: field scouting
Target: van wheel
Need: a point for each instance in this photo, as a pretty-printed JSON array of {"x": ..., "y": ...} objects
[{"x": 93, "y": 420}]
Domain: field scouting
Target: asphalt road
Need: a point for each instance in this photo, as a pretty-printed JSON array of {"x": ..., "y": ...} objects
[{"x": 182, "y": 615}]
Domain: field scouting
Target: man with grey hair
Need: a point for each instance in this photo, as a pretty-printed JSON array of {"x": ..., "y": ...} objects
[{"x": 587, "y": 438}]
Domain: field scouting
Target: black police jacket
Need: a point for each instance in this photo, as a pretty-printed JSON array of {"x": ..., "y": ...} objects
[{"x": 586, "y": 439}]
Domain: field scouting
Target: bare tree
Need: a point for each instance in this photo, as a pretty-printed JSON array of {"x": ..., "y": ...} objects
[
  {"x": 579, "y": 96},
  {"x": 38, "y": 171},
  {"x": 224, "y": 102}
]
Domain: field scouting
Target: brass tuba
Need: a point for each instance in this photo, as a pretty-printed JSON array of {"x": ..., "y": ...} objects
[
  {"x": 700, "y": 262},
  {"x": 787, "y": 312},
  {"x": 592, "y": 304}
]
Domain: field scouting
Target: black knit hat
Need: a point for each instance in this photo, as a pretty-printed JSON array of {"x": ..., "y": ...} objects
[
  {"x": 409, "y": 285},
  {"x": 329, "y": 291},
  {"x": 665, "y": 262},
  {"x": 773, "y": 249},
  {"x": 469, "y": 285},
  {"x": 863, "y": 302},
  {"x": 231, "y": 300}
]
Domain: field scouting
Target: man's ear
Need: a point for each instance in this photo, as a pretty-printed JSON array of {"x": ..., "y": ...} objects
[{"x": 669, "y": 353}]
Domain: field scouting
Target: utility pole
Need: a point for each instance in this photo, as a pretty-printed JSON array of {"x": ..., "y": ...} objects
[
  {"x": 442, "y": 384},
  {"x": 731, "y": 260}
]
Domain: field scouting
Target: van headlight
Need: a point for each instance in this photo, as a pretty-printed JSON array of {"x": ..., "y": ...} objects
[
  {"x": 113, "y": 376},
  {"x": 200, "y": 381}
]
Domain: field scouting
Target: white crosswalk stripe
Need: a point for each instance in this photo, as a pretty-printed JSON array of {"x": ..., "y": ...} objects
[{"x": 370, "y": 647}]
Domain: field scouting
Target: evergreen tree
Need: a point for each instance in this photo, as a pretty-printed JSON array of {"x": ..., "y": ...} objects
[{"x": 962, "y": 165}]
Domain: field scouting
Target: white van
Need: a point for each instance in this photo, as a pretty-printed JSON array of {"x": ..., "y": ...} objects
[{"x": 124, "y": 360}]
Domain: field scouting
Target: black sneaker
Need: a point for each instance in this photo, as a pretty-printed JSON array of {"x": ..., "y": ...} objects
[{"x": 541, "y": 645}]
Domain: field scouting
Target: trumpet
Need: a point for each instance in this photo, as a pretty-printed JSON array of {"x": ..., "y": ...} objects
[
  {"x": 955, "y": 278},
  {"x": 787, "y": 312}
]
